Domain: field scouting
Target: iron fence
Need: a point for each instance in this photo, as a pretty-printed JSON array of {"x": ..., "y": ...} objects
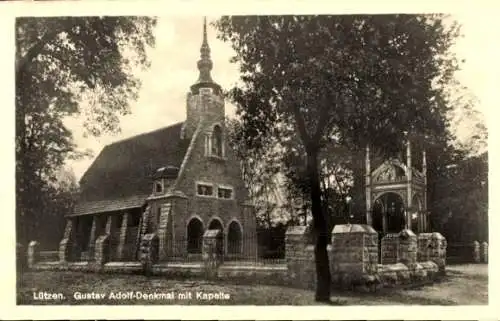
[
  {"x": 246, "y": 249},
  {"x": 465, "y": 252}
]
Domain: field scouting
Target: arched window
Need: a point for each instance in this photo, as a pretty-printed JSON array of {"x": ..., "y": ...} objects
[
  {"x": 217, "y": 141},
  {"x": 194, "y": 235},
  {"x": 215, "y": 224},
  {"x": 234, "y": 242}
]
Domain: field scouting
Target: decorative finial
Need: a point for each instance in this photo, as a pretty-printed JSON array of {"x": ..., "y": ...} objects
[
  {"x": 205, "y": 65},
  {"x": 205, "y": 49},
  {"x": 205, "y": 30}
]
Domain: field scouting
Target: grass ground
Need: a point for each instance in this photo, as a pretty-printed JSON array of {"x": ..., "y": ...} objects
[{"x": 463, "y": 285}]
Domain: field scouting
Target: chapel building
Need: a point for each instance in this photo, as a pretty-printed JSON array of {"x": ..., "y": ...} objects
[{"x": 176, "y": 181}]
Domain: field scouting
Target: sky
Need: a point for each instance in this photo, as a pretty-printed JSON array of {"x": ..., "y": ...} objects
[{"x": 173, "y": 69}]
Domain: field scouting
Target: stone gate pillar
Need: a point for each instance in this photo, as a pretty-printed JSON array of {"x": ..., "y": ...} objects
[
  {"x": 476, "y": 252},
  {"x": 407, "y": 247},
  {"x": 148, "y": 252},
  {"x": 484, "y": 252},
  {"x": 432, "y": 247},
  {"x": 354, "y": 253},
  {"x": 299, "y": 256},
  {"x": 33, "y": 254},
  {"x": 212, "y": 257}
]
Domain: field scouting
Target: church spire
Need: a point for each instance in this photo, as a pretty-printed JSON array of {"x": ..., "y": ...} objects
[{"x": 205, "y": 65}]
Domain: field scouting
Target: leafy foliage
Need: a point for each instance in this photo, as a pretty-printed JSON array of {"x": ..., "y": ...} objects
[
  {"x": 69, "y": 66},
  {"x": 368, "y": 77},
  {"x": 261, "y": 171},
  {"x": 340, "y": 81},
  {"x": 461, "y": 210}
]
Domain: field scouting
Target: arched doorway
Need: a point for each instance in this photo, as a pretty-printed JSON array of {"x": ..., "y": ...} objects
[
  {"x": 234, "y": 239},
  {"x": 194, "y": 235},
  {"x": 388, "y": 213},
  {"x": 378, "y": 216},
  {"x": 388, "y": 216},
  {"x": 216, "y": 224}
]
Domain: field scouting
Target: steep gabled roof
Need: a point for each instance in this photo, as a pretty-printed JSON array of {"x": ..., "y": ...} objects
[{"x": 124, "y": 169}]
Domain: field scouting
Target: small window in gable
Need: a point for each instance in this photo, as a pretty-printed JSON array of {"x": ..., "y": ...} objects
[
  {"x": 224, "y": 192},
  {"x": 158, "y": 186},
  {"x": 205, "y": 189}
]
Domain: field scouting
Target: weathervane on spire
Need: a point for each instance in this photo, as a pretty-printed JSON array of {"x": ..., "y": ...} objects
[{"x": 205, "y": 65}]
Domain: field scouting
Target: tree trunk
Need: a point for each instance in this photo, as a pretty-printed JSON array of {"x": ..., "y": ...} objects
[
  {"x": 358, "y": 190},
  {"x": 320, "y": 229}
]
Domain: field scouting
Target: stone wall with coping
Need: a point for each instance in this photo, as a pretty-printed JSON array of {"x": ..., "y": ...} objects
[
  {"x": 354, "y": 258},
  {"x": 254, "y": 274}
]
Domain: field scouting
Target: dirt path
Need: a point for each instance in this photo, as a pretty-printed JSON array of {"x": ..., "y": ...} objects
[{"x": 463, "y": 285}]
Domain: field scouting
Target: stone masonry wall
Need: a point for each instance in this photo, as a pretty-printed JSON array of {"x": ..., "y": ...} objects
[
  {"x": 399, "y": 248},
  {"x": 354, "y": 259},
  {"x": 390, "y": 248},
  {"x": 219, "y": 172},
  {"x": 165, "y": 236}
]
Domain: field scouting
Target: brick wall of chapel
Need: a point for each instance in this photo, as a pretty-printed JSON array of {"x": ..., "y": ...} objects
[{"x": 200, "y": 168}]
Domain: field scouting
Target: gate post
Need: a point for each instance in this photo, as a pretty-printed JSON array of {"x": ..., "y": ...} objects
[{"x": 211, "y": 252}]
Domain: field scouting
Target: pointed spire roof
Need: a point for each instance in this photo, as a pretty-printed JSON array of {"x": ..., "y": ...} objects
[{"x": 205, "y": 65}]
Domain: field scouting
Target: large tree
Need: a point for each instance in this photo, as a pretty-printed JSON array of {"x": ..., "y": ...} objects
[
  {"x": 69, "y": 66},
  {"x": 349, "y": 80}
]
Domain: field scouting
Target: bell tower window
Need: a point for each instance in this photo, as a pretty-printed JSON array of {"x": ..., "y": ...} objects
[{"x": 217, "y": 141}]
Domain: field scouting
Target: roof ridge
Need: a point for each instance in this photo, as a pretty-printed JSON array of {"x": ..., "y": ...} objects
[
  {"x": 143, "y": 134},
  {"x": 187, "y": 154}
]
